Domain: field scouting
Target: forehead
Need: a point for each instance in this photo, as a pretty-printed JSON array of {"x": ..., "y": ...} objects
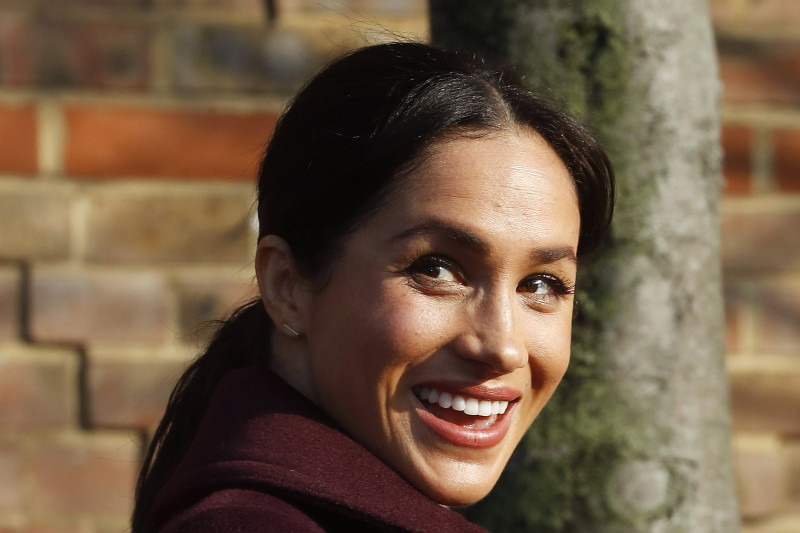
[{"x": 513, "y": 173}]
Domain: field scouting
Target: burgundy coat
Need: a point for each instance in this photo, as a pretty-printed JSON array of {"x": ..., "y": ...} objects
[{"x": 267, "y": 459}]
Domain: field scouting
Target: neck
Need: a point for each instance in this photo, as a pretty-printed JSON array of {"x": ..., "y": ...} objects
[{"x": 290, "y": 361}]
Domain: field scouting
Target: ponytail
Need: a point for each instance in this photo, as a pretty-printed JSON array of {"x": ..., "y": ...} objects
[{"x": 242, "y": 340}]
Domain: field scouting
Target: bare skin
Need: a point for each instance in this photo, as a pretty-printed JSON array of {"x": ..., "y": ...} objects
[{"x": 463, "y": 284}]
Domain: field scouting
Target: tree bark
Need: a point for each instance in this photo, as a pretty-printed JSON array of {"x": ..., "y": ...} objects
[{"x": 637, "y": 437}]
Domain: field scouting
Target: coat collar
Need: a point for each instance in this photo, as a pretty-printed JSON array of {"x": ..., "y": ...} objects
[{"x": 259, "y": 432}]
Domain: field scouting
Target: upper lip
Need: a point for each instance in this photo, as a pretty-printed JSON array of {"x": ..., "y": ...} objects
[{"x": 480, "y": 391}]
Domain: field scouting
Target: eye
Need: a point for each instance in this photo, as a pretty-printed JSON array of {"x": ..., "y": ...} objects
[
  {"x": 432, "y": 269},
  {"x": 438, "y": 272},
  {"x": 545, "y": 287}
]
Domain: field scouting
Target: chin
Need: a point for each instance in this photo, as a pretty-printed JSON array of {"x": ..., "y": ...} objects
[
  {"x": 457, "y": 483},
  {"x": 463, "y": 500},
  {"x": 460, "y": 495}
]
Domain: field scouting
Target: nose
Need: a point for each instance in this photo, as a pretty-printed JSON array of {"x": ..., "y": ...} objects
[{"x": 494, "y": 336}]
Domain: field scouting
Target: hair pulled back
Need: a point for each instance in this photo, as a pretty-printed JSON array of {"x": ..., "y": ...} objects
[
  {"x": 339, "y": 150},
  {"x": 350, "y": 133}
]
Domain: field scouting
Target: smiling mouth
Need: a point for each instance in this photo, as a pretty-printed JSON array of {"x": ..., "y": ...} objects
[{"x": 462, "y": 410}]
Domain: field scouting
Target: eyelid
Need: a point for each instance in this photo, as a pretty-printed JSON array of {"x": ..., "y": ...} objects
[
  {"x": 561, "y": 286},
  {"x": 433, "y": 259}
]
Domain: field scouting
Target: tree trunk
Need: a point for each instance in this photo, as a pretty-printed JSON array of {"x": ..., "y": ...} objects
[{"x": 637, "y": 437}]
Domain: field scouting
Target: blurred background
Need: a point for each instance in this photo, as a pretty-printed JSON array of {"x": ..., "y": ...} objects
[{"x": 130, "y": 131}]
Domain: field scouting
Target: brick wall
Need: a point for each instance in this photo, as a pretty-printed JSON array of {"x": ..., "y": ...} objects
[
  {"x": 759, "y": 47},
  {"x": 129, "y": 134}
]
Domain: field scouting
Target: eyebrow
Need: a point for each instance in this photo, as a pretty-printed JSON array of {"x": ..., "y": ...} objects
[
  {"x": 551, "y": 255},
  {"x": 471, "y": 240}
]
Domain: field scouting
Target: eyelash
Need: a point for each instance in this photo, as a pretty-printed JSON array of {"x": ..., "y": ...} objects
[
  {"x": 416, "y": 271},
  {"x": 560, "y": 287}
]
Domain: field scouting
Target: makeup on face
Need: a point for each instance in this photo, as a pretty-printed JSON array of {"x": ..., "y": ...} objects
[
  {"x": 471, "y": 416},
  {"x": 445, "y": 325}
]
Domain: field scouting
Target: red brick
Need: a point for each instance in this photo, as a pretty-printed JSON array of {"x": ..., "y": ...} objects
[
  {"x": 56, "y": 52},
  {"x": 760, "y": 477},
  {"x": 766, "y": 401},
  {"x": 16, "y": 49},
  {"x": 130, "y": 394},
  {"x": 96, "y": 54},
  {"x": 734, "y": 301},
  {"x": 778, "y": 321},
  {"x": 38, "y": 389},
  {"x": 121, "y": 141},
  {"x": 10, "y": 280},
  {"x": 767, "y": 15},
  {"x": 736, "y": 143},
  {"x": 206, "y": 225},
  {"x": 787, "y": 159},
  {"x": 87, "y": 306},
  {"x": 237, "y": 59},
  {"x": 761, "y": 240},
  {"x": 35, "y": 220},
  {"x": 84, "y": 473},
  {"x": 11, "y": 472},
  {"x": 18, "y": 138},
  {"x": 760, "y": 72},
  {"x": 204, "y": 300}
]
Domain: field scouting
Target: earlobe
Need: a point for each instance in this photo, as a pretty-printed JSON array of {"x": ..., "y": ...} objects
[
  {"x": 283, "y": 289},
  {"x": 290, "y": 330}
]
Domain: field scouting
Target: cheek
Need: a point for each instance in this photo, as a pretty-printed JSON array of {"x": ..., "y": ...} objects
[
  {"x": 377, "y": 337},
  {"x": 407, "y": 327},
  {"x": 549, "y": 349}
]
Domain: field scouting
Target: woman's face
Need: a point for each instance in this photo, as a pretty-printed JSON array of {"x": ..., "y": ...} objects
[{"x": 445, "y": 326}]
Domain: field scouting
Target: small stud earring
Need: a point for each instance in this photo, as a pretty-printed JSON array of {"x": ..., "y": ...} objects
[{"x": 290, "y": 330}]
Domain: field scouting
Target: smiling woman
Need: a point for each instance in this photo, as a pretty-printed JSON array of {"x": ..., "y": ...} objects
[{"x": 421, "y": 217}]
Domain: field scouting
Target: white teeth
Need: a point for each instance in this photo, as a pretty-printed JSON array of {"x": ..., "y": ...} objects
[
  {"x": 445, "y": 399},
  {"x": 458, "y": 403},
  {"x": 470, "y": 406},
  {"x": 434, "y": 396}
]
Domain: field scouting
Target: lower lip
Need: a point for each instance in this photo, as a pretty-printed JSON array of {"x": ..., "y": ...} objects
[{"x": 466, "y": 437}]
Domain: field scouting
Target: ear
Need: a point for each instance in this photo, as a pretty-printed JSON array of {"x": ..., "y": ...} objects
[{"x": 284, "y": 292}]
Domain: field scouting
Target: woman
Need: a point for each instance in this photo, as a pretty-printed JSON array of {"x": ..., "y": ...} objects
[{"x": 420, "y": 222}]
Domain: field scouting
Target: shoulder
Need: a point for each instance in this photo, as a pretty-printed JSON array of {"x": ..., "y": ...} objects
[{"x": 241, "y": 510}]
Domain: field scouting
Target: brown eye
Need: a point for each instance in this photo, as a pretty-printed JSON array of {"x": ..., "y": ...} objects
[
  {"x": 541, "y": 286},
  {"x": 438, "y": 272},
  {"x": 435, "y": 269},
  {"x": 545, "y": 287}
]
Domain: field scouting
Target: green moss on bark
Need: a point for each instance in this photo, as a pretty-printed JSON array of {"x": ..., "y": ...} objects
[{"x": 607, "y": 454}]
